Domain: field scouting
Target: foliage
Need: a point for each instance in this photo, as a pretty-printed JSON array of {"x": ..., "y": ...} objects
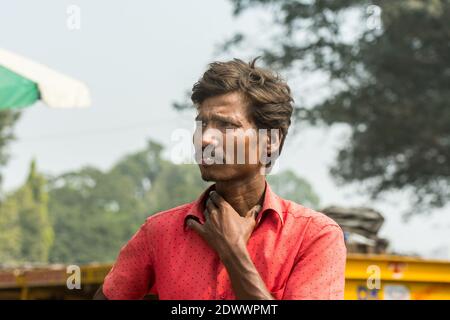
[{"x": 388, "y": 80}]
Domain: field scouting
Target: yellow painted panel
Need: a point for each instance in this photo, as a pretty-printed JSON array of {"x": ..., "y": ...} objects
[
  {"x": 358, "y": 290},
  {"x": 399, "y": 278}
]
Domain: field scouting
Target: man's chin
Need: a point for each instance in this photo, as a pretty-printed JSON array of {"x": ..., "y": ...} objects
[
  {"x": 208, "y": 173},
  {"x": 207, "y": 176}
]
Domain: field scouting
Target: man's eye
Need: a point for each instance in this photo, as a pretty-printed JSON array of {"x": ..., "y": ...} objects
[{"x": 229, "y": 125}]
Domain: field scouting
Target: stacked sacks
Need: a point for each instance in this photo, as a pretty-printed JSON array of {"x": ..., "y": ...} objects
[{"x": 361, "y": 226}]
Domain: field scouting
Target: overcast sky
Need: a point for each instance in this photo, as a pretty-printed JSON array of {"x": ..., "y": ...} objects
[{"x": 137, "y": 57}]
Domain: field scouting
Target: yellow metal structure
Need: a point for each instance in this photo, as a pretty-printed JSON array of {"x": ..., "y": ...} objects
[
  {"x": 384, "y": 277},
  {"x": 368, "y": 277}
]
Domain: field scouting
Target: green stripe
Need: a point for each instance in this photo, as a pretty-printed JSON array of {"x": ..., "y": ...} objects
[{"x": 16, "y": 91}]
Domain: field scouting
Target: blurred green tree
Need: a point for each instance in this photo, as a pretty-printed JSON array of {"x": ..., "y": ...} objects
[
  {"x": 7, "y": 120},
  {"x": 9, "y": 215},
  {"x": 290, "y": 186},
  {"x": 94, "y": 213},
  {"x": 36, "y": 232},
  {"x": 10, "y": 233},
  {"x": 175, "y": 185},
  {"x": 388, "y": 78}
]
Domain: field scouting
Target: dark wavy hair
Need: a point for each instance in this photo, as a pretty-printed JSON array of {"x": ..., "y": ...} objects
[{"x": 265, "y": 91}]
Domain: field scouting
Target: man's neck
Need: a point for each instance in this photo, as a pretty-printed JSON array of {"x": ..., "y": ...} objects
[{"x": 243, "y": 194}]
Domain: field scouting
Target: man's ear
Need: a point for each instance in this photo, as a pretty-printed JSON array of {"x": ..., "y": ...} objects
[
  {"x": 273, "y": 144},
  {"x": 271, "y": 150}
]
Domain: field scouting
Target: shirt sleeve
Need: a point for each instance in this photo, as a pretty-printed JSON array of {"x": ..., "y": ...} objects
[
  {"x": 132, "y": 275},
  {"x": 319, "y": 273}
]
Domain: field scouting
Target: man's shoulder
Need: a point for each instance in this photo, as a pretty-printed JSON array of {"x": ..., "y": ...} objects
[
  {"x": 313, "y": 224},
  {"x": 312, "y": 217},
  {"x": 171, "y": 214},
  {"x": 169, "y": 217}
]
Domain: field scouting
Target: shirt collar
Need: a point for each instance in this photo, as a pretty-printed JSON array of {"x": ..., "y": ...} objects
[{"x": 271, "y": 204}]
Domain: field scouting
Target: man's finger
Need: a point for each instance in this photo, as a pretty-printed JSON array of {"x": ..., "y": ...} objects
[
  {"x": 206, "y": 214},
  {"x": 197, "y": 227},
  {"x": 217, "y": 198},
  {"x": 210, "y": 207},
  {"x": 253, "y": 212}
]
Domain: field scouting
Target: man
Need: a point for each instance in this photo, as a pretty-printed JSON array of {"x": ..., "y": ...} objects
[{"x": 238, "y": 240}]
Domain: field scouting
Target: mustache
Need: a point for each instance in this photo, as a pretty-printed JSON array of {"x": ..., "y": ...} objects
[{"x": 208, "y": 152}]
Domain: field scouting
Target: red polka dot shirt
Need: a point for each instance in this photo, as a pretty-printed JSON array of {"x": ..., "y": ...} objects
[{"x": 299, "y": 253}]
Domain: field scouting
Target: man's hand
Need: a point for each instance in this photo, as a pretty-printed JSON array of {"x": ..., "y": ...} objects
[
  {"x": 227, "y": 233},
  {"x": 224, "y": 229}
]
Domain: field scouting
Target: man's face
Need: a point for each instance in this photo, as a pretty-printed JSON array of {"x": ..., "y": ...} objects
[{"x": 225, "y": 147}]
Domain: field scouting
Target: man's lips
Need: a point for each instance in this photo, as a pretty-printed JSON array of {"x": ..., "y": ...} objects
[{"x": 209, "y": 160}]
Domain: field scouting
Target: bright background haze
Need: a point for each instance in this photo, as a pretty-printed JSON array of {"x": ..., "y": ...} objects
[{"x": 137, "y": 59}]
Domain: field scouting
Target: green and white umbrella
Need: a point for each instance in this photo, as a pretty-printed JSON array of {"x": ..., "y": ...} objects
[{"x": 23, "y": 82}]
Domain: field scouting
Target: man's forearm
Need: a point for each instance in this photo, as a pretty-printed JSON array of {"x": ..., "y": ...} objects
[{"x": 245, "y": 279}]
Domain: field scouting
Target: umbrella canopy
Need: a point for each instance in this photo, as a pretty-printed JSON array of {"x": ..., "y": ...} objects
[{"x": 23, "y": 82}]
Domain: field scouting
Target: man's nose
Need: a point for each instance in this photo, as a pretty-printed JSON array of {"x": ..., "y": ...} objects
[{"x": 210, "y": 136}]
